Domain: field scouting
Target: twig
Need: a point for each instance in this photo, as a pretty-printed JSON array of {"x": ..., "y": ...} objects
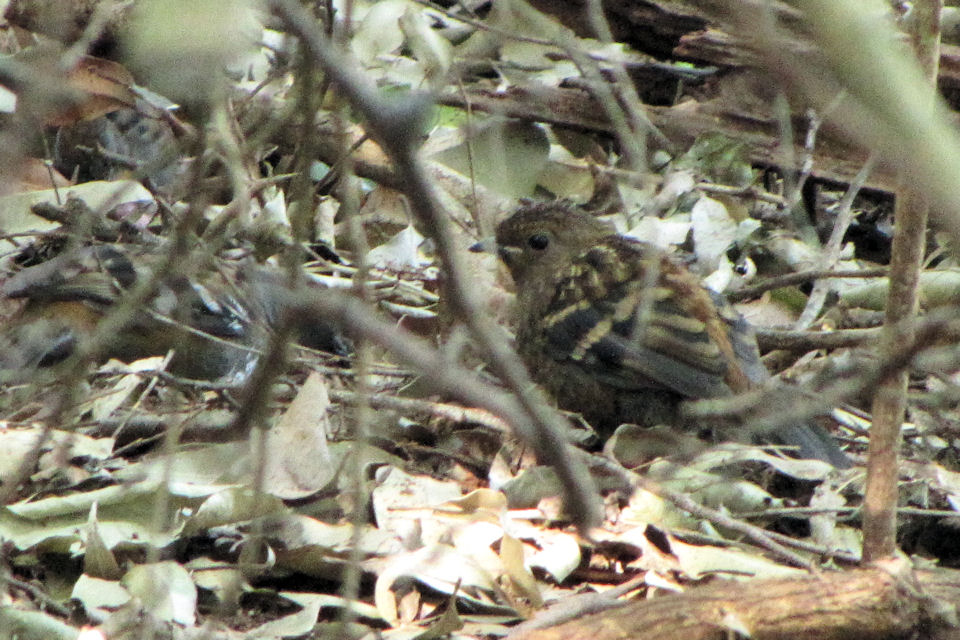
[
  {"x": 396, "y": 126},
  {"x": 777, "y": 407},
  {"x": 763, "y": 538},
  {"x": 831, "y": 252},
  {"x": 800, "y": 277},
  {"x": 749, "y": 191},
  {"x": 48, "y": 603},
  {"x": 803, "y": 341},
  {"x": 451, "y": 412}
]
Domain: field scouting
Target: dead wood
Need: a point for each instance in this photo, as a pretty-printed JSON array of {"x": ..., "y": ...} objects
[{"x": 861, "y": 604}]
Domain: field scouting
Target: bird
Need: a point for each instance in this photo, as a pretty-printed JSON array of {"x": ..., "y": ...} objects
[
  {"x": 216, "y": 321},
  {"x": 620, "y": 331}
]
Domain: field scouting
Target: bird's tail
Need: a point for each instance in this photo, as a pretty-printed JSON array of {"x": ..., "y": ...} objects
[{"x": 811, "y": 441}]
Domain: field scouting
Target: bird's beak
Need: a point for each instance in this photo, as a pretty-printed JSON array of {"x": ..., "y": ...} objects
[
  {"x": 512, "y": 257},
  {"x": 486, "y": 245}
]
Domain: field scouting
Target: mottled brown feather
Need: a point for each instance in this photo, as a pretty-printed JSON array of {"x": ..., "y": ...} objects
[{"x": 619, "y": 331}]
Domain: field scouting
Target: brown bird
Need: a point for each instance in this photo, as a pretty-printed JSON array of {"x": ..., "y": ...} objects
[
  {"x": 620, "y": 332},
  {"x": 216, "y": 323}
]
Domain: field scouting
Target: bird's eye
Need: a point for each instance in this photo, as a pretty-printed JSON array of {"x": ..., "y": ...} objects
[{"x": 538, "y": 241}]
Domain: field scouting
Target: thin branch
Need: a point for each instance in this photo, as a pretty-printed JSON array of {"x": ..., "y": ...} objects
[
  {"x": 396, "y": 126},
  {"x": 830, "y": 254},
  {"x": 800, "y": 277},
  {"x": 906, "y": 263}
]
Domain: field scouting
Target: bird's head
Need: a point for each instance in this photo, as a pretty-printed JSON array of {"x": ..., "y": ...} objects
[{"x": 544, "y": 237}]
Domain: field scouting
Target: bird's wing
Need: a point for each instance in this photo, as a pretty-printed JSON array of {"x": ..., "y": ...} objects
[
  {"x": 93, "y": 287},
  {"x": 88, "y": 274},
  {"x": 623, "y": 313}
]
